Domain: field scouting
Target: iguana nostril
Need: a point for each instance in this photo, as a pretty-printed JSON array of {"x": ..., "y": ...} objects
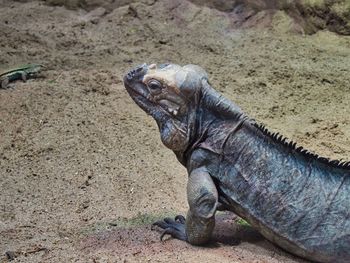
[
  {"x": 129, "y": 75},
  {"x": 136, "y": 71}
]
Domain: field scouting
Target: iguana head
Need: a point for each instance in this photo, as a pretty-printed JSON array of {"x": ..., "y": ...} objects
[{"x": 168, "y": 93}]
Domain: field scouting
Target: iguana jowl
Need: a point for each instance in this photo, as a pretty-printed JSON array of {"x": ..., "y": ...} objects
[{"x": 296, "y": 199}]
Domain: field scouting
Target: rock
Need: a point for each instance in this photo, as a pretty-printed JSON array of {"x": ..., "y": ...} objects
[{"x": 95, "y": 15}]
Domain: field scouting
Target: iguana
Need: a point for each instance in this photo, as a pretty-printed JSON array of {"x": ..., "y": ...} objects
[
  {"x": 296, "y": 199},
  {"x": 23, "y": 72}
]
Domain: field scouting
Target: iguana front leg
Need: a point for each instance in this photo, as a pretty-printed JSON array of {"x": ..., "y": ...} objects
[
  {"x": 4, "y": 82},
  {"x": 202, "y": 198},
  {"x": 23, "y": 75}
]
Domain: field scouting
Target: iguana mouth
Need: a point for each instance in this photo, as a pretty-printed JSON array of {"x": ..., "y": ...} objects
[
  {"x": 139, "y": 96},
  {"x": 147, "y": 102}
]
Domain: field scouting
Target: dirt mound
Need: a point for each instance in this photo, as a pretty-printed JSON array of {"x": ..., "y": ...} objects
[
  {"x": 305, "y": 16},
  {"x": 311, "y": 16}
]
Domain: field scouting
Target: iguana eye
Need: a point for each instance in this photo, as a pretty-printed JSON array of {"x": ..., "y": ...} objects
[{"x": 154, "y": 85}]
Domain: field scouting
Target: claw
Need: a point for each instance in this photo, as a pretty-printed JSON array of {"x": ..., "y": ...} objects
[
  {"x": 160, "y": 224},
  {"x": 164, "y": 233},
  {"x": 174, "y": 233},
  {"x": 180, "y": 218},
  {"x": 153, "y": 226},
  {"x": 175, "y": 228}
]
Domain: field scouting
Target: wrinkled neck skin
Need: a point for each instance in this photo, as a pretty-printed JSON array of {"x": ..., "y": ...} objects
[
  {"x": 208, "y": 108},
  {"x": 174, "y": 132},
  {"x": 177, "y": 133}
]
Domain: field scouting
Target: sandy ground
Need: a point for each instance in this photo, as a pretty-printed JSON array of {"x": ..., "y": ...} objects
[{"x": 83, "y": 171}]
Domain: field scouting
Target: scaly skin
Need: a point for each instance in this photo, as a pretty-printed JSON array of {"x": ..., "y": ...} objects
[
  {"x": 24, "y": 72},
  {"x": 296, "y": 199}
]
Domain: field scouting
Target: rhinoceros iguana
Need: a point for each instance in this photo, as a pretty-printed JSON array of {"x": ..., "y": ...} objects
[{"x": 296, "y": 199}]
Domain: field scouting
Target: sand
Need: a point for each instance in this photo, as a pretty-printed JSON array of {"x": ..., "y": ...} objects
[{"x": 83, "y": 171}]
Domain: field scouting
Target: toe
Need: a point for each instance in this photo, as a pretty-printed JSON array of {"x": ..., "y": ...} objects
[
  {"x": 175, "y": 233},
  {"x": 160, "y": 224},
  {"x": 169, "y": 221}
]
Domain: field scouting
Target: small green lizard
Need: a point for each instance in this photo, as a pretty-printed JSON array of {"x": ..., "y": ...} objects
[{"x": 24, "y": 72}]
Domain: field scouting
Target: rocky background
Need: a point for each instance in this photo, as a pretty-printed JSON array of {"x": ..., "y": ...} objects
[
  {"x": 83, "y": 171},
  {"x": 312, "y": 15}
]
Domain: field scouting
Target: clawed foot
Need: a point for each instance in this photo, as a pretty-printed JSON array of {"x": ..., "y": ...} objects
[{"x": 174, "y": 227}]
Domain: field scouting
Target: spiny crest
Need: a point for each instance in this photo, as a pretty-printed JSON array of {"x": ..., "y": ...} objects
[{"x": 293, "y": 146}]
